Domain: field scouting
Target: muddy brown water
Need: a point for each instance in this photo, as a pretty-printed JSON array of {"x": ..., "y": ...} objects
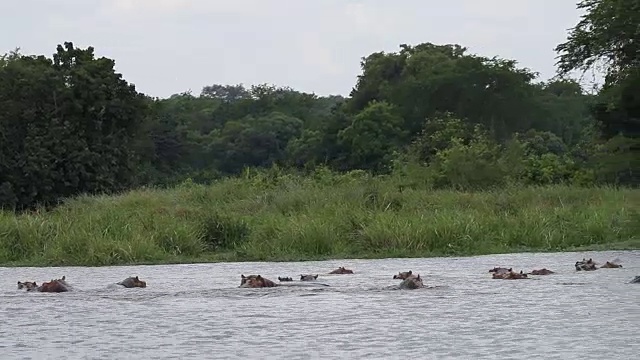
[{"x": 197, "y": 311}]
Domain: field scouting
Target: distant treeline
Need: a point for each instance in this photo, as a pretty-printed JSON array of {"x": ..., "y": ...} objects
[{"x": 70, "y": 124}]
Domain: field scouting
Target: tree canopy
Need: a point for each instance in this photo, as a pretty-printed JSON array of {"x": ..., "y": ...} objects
[{"x": 70, "y": 124}]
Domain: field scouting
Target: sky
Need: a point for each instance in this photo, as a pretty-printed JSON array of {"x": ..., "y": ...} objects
[{"x": 166, "y": 47}]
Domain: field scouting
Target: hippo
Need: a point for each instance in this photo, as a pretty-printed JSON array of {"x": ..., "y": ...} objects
[
  {"x": 610, "y": 265},
  {"x": 635, "y": 280},
  {"x": 403, "y": 275},
  {"x": 412, "y": 282},
  {"x": 132, "y": 282},
  {"x": 308, "y": 277},
  {"x": 57, "y": 285},
  {"x": 341, "y": 270},
  {"x": 284, "y": 279},
  {"x": 500, "y": 270},
  {"x": 585, "y": 265},
  {"x": 543, "y": 271},
  {"x": 27, "y": 285},
  {"x": 511, "y": 275},
  {"x": 514, "y": 275},
  {"x": 255, "y": 281}
]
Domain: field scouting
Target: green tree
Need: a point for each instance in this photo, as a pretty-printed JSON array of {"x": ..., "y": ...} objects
[
  {"x": 609, "y": 34},
  {"x": 372, "y": 136},
  {"x": 68, "y": 126},
  {"x": 254, "y": 141},
  {"x": 427, "y": 79}
]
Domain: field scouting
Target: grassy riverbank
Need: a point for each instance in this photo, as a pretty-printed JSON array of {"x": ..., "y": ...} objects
[{"x": 282, "y": 218}]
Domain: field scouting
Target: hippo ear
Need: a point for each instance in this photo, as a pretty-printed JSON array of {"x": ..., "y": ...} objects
[
  {"x": 259, "y": 277},
  {"x": 410, "y": 272},
  {"x": 242, "y": 275},
  {"x": 63, "y": 277},
  {"x": 35, "y": 284},
  {"x": 137, "y": 279},
  {"x": 18, "y": 282},
  {"x": 418, "y": 276},
  {"x": 315, "y": 277}
]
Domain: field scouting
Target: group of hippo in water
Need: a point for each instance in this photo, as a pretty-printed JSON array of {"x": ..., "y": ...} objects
[
  {"x": 61, "y": 285},
  {"x": 410, "y": 280},
  {"x": 584, "y": 265}
]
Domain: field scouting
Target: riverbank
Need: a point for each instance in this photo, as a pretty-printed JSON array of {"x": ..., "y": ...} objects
[{"x": 288, "y": 218}]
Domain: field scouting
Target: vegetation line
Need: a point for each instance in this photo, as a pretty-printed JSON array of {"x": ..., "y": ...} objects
[
  {"x": 270, "y": 216},
  {"x": 436, "y": 151}
]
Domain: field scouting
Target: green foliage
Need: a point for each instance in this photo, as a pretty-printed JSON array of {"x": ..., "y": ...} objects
[
  {"x": 435, "y": 151},
  {"x": 372, "y": 136},
  {"x": 438, "y": 134},
  {"x": 608, "y": 32},
  {"x": 221, "y": 232},
  {"x": 458, "y": 120},
  {"x": 71, "y": 121},
  {"x": 428, "y": 79},
  {"x": 274, "y": 215},
  {"x": 469, "y": 165}
]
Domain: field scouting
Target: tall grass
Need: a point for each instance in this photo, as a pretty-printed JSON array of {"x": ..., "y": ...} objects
[{"x": 275, "y": 217}]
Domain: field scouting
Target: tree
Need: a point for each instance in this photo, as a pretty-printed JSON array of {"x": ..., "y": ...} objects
[
  {"x": 226, "y": 93},
  {"x": 427, "y": 79},
  {"x": 609, "y": 32},
  {"x": 372, "y": 136},
  {"x": 68, "y": 126},
  {"x": 254, "y": 141}
]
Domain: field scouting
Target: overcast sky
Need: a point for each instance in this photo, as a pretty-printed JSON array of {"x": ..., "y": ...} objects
[{"x": 171, "y": 46}]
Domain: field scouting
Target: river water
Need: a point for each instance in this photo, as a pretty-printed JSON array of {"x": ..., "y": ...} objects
[{"x": 198, "y": 311}]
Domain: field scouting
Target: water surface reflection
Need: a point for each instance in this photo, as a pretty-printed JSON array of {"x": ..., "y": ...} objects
[{"x": 197, "y": 311}]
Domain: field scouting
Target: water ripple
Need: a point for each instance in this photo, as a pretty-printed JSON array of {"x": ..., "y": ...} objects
[{"x": 198, "y": 311}]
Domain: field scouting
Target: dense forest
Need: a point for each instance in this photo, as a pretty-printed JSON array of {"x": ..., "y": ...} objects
[{"x": 71, "y": 125}]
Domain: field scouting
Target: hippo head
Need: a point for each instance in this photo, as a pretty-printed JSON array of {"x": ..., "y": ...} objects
[
  {"x": 138, "y": 283},
  {"x": 245, "y": 279},
  {"x": 403, "y": 275},
  {"x": 308, "y": 277},
  {"x": 412, "y": 282},
  {"x": 27, "y": 285},
  {"x": 256, "y": 281},
  {"x": 585, "y": 265},
  {"x": 342, "y": 270},
  {"x": 515, "y": 275},
  {"x": 500, "y": 270}
]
